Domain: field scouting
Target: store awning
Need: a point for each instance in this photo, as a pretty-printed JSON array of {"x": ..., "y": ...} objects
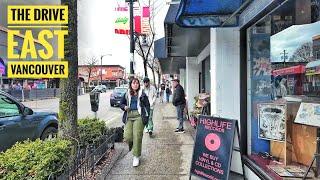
[
  {"x": 300, "y": 69},
  {"x": 168, "y": 65},
  {"x": 186, "y": 42},
  {"x": 313, "y": 64},
  {"x": 207, "y": 13},
  {"x": 172, "y": 65},
  {"x": 160, "y": 48}
]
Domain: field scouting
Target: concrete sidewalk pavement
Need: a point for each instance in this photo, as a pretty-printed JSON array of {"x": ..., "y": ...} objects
[{"x": 165, "y": 155}]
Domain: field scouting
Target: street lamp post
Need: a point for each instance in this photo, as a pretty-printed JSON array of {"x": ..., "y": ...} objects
[
  {"x": 131, "y": 39},
  {"x": 101, "y": 66}
]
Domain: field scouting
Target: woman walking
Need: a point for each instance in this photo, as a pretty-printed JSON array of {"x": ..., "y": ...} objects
[{"x": 136, "y": 107}]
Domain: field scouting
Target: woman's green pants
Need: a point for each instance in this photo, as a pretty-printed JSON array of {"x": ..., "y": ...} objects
[{"x": 133, "y": 132}]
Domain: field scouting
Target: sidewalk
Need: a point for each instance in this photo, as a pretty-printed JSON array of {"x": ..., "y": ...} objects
[{"x": 166, "y": 155}]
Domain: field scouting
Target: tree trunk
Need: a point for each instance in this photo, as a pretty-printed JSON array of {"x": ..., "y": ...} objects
[
  {"x": 145, "y": 68},
  {"x": 69, "y": 87},
  {"x": 154, "y": 78},
  {"x": 159, "y": 79}
]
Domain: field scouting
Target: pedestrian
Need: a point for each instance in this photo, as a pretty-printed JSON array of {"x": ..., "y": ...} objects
[
  {"x": 136, "y": 107},
  {"x": 179, "y": 102},
  {"x": 162, "y": 90},
  {"x": 151, "y": 92},
  {"x": 168, "y": 92}
]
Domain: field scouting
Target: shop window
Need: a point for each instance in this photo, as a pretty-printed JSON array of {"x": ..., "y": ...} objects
[{"x": 284, "y": 88}]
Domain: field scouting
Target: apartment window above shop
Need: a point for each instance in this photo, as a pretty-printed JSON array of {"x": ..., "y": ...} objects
[{"x": 284, "y": 88}]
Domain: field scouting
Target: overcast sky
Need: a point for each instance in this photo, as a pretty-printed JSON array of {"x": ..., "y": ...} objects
[
  {"x": 96, "y": 32},
  {"x": 292, "y": 38}
]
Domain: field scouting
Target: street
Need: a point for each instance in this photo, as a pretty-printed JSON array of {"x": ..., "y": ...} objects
[{"x": 111, "y": 115}]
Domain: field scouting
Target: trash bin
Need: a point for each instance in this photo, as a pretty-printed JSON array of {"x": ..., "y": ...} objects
[{"x": 94, "y": 101}]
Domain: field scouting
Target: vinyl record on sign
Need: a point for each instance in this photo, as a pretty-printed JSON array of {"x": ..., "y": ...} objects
[{"x": 212, "y": 142}]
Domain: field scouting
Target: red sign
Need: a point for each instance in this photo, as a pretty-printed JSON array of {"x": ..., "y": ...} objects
[{"x": 300, "y": 69}]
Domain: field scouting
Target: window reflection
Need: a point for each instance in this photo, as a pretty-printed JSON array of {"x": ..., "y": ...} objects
[{"x": 284, "y": 70}]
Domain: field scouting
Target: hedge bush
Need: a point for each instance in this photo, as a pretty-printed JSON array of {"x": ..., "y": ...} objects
[
  {"x": 90, "y": 130},
  {"x": 35, "y": 159}
]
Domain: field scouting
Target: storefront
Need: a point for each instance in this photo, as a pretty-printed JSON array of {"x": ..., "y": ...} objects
[
  {"x": 312, "y": 85},
  {"x": 279, "y": 111},
  {"x": 294, "y": 77}
]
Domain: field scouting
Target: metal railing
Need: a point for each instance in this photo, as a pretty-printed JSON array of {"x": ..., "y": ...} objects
[{"x": 87, "y": 159}]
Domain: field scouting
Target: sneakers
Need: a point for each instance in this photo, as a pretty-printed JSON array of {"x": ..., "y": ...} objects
[
  {"x": 179, "y": 130},
  {"x": 150, "y": 133},
  {"x": 136, "y": 161}
]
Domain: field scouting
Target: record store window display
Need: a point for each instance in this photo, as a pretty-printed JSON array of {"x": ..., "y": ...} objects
[{"x": 284, "y": 81}]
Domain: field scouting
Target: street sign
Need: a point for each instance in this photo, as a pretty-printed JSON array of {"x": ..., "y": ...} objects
[{"x": 214, "y": 144}]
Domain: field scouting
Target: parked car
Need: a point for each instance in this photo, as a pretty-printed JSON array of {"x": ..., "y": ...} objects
[
  {"x": 19, "y": 123},
  {"x": 116, "y": 95},
  {"x": 100, "y": 88}
]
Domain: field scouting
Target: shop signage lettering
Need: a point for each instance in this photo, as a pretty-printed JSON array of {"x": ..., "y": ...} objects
[
  {"x": 313, "y": 71},
  {"x": 213, "y": 148},
  {"x": 123, "y": 20}
]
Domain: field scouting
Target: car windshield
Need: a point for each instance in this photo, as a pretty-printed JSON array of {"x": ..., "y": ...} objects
[{"x": 120, "y": 90}]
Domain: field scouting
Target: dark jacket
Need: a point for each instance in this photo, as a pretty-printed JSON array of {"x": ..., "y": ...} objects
[
  {"x": 178, "y": 96},
  {"x": 143, "y": 106}
]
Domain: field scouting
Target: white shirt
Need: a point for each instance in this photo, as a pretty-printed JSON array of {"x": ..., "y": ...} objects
[{"x": 151, "y": 92}]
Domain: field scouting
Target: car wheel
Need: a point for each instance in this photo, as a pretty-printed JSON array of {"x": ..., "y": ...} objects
[
  {"x": 112, "y": 105},
  {"x": 49, "y": 133}
]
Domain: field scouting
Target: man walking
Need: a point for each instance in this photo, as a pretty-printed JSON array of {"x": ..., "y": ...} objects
[
  {"x": 179, "y": 102},
  {"x": 168, "y": 93},
  {"x": 162, "y": 90},
  {"x": 151, "y": 92}
]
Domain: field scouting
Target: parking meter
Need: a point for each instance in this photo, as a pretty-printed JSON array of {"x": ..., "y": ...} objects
[{"x": 94, "y": 101}]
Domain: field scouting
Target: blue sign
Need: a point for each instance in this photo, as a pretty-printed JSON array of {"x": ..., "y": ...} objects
[{"x": 207, "y": 13}]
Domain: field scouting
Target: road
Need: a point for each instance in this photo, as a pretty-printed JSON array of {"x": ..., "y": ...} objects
[{"x": 111, "y": 115}]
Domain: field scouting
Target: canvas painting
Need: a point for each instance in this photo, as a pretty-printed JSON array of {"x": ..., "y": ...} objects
[
  {"x": 308, "y": 114},
  {"x": 272, "y": 121}
]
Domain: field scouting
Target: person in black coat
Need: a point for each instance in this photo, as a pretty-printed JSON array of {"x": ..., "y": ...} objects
[
  {"x": 136, "y": 107},
  {"x": 179, "y": 101}
]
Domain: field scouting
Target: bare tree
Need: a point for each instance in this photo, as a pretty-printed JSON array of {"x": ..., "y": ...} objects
[
  {"x": 153, "y": 64},
  {"x": 303, "y": 53},
  {"x": 90, "y": 65},
  {"x": 144, "y": 42}
]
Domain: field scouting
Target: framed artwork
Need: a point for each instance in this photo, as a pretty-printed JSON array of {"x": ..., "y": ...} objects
[
  {"x": 308, "y": 114},
  {"x": 271, "y": 118}
]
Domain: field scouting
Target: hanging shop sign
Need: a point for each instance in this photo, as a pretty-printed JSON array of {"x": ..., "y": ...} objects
[{"x": 122, "y": 19}]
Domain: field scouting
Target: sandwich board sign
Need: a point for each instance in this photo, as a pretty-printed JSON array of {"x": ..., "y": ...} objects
[{"x": 213, "y": 148}]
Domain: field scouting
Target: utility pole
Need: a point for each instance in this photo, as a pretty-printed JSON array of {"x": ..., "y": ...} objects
[
  {"x": 284, "y": 57},
  {"x": 131, "y": 40}
]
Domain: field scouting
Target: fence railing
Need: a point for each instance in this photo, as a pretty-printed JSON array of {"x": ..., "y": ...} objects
[
  {"x": 36, "y": 94},
  {"x": 87, "y": 159}
]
